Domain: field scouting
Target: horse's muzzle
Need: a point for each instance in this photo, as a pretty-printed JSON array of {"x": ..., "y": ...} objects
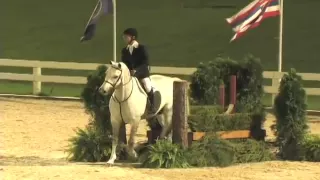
[{"x": 101, "y": 90}]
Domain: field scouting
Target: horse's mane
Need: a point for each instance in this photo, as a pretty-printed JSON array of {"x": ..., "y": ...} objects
[{"x": 125, "y": 68}]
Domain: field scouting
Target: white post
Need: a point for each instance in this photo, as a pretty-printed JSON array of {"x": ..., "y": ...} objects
[
  {"x": 114, "y": 31},
  {"x": 188, "y": 101},
  {"x": 36, "y": 83},
  {"x": 280, "y": 36}
]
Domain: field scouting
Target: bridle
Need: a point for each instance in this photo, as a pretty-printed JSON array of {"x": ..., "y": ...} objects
[{"x": 113, "y": 85}]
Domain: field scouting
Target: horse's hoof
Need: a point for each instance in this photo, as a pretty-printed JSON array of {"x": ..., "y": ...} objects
[{"x": 109, "y": 164}]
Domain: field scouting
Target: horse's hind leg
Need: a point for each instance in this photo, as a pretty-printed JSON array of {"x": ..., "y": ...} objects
[
  {"x": 166, "y": 124},
  {"x": 115, "y": 136}
]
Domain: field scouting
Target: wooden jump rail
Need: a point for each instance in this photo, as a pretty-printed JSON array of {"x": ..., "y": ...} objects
[
  {"x": 196, "y": 136},
  {"x": 239, "y": 134}
]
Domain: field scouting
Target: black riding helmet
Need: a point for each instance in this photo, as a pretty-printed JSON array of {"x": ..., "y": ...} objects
[{"x": 131, "y": 32}]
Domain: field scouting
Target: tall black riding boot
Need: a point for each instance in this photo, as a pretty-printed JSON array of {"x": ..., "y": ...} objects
[{"x": 151, "y": 99}]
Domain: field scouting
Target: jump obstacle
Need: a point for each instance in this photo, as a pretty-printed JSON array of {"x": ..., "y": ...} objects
[{"x": 181, "y": 134}]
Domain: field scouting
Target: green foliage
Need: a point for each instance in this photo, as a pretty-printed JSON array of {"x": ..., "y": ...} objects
[
  {"x": 249, "y": 150},
  {"x": 311, "y": 144},
  {"x": 202, "y": 109},
  {"x": 250, "y": 86},
  {"x": 211, "y": 120},
  {"x": 290, "y": 112},
  {"x": 205, "y": 84},
  {"x": 164, "y": 154},
  {"x": 206, "y": 80},
  {"x": 89, "y": 145},
  {"x": 211, "y": 151},
  {"x": 96, "y": 104}
]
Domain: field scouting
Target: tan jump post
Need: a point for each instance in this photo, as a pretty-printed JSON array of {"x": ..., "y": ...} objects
[
  {"x": 180, "y": 111},
  {"x": 233, "y": 91}
]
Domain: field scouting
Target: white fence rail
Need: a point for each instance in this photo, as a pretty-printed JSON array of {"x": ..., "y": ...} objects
[{"x": 37, "y": 78}]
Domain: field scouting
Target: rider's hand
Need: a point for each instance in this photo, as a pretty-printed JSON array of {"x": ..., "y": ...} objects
[{"x": 132, "y": 72}]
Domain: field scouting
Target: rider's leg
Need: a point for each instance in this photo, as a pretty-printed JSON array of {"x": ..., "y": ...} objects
[
  {"x": 147, "y": 84},
  {"x": 166, "y": 124},
  {"x": 148, "y": 87}
]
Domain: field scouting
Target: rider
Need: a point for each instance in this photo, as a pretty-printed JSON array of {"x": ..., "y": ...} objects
[{"x": 135, "y": 56}]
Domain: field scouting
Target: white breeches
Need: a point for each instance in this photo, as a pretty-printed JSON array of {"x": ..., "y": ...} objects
[{"x": 147, "y": 84}]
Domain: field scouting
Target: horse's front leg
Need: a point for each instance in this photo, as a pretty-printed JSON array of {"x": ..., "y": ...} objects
[
  {"x": 134, "y": 128},
  {"x": 115, "y": 136}
]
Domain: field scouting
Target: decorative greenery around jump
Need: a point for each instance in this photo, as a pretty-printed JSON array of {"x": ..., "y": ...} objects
[
  {"x": 311, "y": 145},
  {"x": 164, "y": 154},
  {"x": 210, "y": 151},
  {"x": 291, "y": 127},
  {"x": 206, "y": 80},
  {"x": 209, "y": 120}
]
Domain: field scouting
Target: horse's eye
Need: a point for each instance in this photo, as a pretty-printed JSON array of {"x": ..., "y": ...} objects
[{"x": 114, "y": 77}]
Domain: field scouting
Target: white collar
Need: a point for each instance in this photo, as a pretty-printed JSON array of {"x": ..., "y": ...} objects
[{"x": 134, "y": 44}]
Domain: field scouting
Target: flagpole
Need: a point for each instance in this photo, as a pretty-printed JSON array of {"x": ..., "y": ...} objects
[
  {"x": 280, "y": 36},
  {"x": 114, "y": 31},
  {"x": 92, "y": 14}
]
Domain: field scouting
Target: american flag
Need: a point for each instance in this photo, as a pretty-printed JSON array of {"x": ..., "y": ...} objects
[{"x": 252, "y": 15}]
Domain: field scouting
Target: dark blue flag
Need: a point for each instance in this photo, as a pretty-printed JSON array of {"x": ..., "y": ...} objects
[{"x": 102, "y": 8}]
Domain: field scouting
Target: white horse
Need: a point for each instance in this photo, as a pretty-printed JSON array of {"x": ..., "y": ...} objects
[{"x": 129, "y": 103}]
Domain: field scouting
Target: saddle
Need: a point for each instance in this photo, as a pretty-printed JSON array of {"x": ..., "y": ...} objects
[{"x": 156, "y": 97}]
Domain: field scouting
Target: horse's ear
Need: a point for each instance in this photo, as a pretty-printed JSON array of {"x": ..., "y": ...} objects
[{"x": 113, "y": 64}]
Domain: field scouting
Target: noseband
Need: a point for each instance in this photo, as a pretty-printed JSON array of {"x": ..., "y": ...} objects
[{"x": 113, "y": 85}]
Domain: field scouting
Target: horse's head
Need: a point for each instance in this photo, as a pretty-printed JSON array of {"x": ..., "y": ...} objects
[{"x": 114, "y": 77}]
